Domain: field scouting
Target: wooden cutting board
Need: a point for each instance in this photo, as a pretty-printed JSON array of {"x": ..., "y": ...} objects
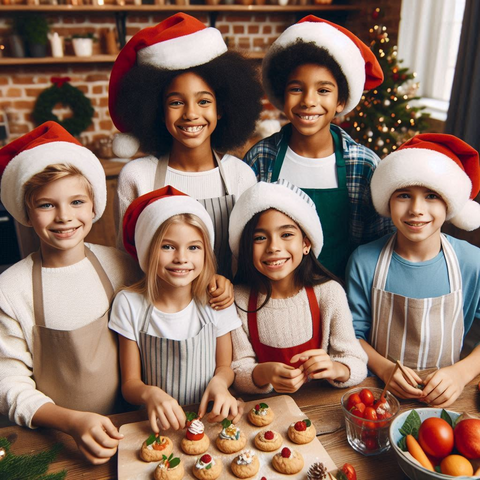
[{"x": 131, "y": 467}]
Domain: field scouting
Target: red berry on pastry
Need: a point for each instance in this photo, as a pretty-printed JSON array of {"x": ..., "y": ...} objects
[
  {"x": 263, "y": 478},
  {"x": 286, "y": 452},
  {"x": 257, "y": 407},
  {"x": 206, "y": 458},
  {"x": 193, "y": 436},
  {"x": 300, "y": 426},
  {"x": 269, "y": 435}
]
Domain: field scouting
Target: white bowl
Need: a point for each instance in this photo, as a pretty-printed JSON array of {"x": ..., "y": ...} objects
[{"x": 411, "y": 469}]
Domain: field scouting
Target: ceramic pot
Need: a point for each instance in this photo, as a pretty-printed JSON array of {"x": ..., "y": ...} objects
[{"x": 82, "y": 47}]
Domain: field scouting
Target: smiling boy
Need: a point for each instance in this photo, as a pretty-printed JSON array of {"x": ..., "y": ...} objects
[
  {"x": 314, "y": 71},
  {"x": 416, "y": 294}
]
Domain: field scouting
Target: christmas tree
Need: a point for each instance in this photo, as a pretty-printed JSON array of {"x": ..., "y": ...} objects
[{"x": 385, "y": 117}]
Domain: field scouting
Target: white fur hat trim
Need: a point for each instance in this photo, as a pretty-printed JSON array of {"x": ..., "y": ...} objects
[
  {"x": 184, "y": 52},
  {"x": 157, "y": 213},
  {"x": 34, "y": 160},
  {"x": 281, "y": 196},
  {"x": 421, "y": 167},
  {"x": 125, "y": 145},
  {"x": 342, "y": 49}
]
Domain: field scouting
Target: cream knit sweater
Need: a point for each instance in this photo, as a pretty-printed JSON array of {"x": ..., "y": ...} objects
[
  {"x": 287, "y": 322},
  {"x": 73, "y": 297}
]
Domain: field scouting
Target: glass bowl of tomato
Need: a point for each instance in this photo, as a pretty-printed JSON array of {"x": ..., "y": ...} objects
[
  {"x": 410, "y": 466},
  {"x": 368, "y": 419}
]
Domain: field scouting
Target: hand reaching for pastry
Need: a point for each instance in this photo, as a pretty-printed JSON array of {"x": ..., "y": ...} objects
[
  {"x": 224, "y": 404},
  {"x": 164, "y": 412}
]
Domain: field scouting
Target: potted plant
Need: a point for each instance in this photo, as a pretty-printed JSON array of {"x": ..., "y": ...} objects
[
  {"x": 34, "y": 30},
  {"x": 83, "y": 44}
]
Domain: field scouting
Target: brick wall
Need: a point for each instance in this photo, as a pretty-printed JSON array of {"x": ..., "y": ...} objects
[{"x": 20, "y": 86}]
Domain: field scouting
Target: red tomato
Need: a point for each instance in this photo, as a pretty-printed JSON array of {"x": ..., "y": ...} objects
[
  {"x": 435, "y": 436},
  {"x": 353, "y": 399},
  {"x": 367, "y": 397},
  {"x": 358, "y": 410},
  {"x": 370, "y": 414},
  {"x": 349, "y": 471},
  {"x": 371, "y": 443},
  {"x": 379, "y": 402}
]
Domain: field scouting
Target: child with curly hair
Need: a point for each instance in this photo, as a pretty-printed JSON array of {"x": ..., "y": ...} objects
[{"x": 185, "y": 100}]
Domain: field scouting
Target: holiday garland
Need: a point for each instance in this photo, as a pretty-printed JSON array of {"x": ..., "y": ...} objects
[{"x": 64, "y": 93}]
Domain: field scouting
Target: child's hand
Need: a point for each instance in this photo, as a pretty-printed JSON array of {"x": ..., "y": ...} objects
[
  {"x": 221, "y": 291},
  {"x": 442, "y": 387},
  {"x": 163, "y": 410},
  {"x": 224, "y": 404},
  {"x": 95, "y": 435},
  {"x": 399, "y": 386},
  {"x": 318, "y": 365},
  {"x": 284, "y": 378}
]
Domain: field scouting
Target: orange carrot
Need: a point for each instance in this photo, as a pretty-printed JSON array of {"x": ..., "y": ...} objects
[{"x": 417, "y": 453}]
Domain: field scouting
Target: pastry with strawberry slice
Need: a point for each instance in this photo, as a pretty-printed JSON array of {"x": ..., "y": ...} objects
[
  {"x": 230, "y": 439},
  {"x": 155, "y": 447},
  {"x": 169, "y": 468},
  {"x": 261, "y": 414},
  {"x": 302, "y": 432},
  {"x": 268, "y": 440},
  {"x": 195, "y": 441},
  {"x": 288, "y": 461},
  {"x": 207, "y": 468},
  {"x": 245, "y": 465}
]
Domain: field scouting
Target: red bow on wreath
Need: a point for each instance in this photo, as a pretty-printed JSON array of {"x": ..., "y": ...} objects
[{"x": 59, "y": 81}]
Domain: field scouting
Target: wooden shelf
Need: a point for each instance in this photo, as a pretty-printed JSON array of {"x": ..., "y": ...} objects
[
  {"x": 53, "y": 60},
  {"x": 176, "y": 8}
]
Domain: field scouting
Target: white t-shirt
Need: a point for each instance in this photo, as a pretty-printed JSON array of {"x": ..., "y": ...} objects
[
  {"x": 309, "y": 172},
  {"x": 129, "y": 308}
]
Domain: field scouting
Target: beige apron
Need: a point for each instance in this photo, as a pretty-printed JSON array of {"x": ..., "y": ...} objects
[
  {"x": 218, "y": 208},
  {"x": 78, "y": 369},
  {"x": 420, "y": 332}
]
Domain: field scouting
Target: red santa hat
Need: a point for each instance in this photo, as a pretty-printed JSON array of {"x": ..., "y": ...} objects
[
  {"x": 440, "y": 162},
  {"x": 147, "y": 213},
  {"x": 356, "y": 60},
  {"x": 281, "y": 196},
  {"x": 46, "y": 145},
  {"x": 178, "y": 43}
]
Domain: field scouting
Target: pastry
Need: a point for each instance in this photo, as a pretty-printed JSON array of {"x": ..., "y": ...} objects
[
  {"x": 230, "y": 439},
  {"x": 261, "y": 415},
  {"x": 268, "y": 440},
  {"x": 207, "y": 468},
  {"x": 170, "y": 468},
  {"x": 288, "y": 461},
  {"x": 195, "y": 441},
  {"x": 155, "y": 447},
  {"x": 302, "y": 431},
  {"x": 245, "y": 465}
]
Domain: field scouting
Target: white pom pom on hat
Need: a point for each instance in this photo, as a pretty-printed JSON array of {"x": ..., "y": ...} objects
[
  {"x": 356, "y": 60},
  {"x": 147, "y": 213},
  {"x": 281, "y": 196},
  {"x": 30, "y": 154},
  {"x": 177, "y": 43},
  {"x": 440, "y": 162}
]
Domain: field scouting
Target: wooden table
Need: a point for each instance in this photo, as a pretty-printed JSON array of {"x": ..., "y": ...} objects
[{"x": 319, "y": 401}]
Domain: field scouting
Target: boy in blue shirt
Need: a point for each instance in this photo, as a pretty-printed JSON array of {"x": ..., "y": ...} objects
[
  {"x": 414, "y": 295},
  {"x": 314, "y": 71}
]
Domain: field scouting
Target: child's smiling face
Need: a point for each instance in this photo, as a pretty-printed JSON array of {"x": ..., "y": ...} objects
[
  {"x": 311, "y": 99},
  {"x": 62, "y": 214},
  {"x": 190, "y": 110},
  {"x": 418, "y": 213}
]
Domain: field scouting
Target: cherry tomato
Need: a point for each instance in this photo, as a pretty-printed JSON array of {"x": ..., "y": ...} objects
[
  {"x": 353, "y": 399},
  {"x": 349, "y": 471},
  {"x": 370, "y": 414},
  {"x": 379, "y": 402},
  {"x": 367, "y": 397},
  {"x": 435, "y": 436},
  {"x": 358, "y": 410},
  {"x": 371, "y": 443}
]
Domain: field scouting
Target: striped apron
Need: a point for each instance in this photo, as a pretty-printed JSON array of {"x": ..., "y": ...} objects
[
  {"x": 218, "y": 208},
  {"x": 420, "y": 332},
  {"x": 181, "y": 368}
]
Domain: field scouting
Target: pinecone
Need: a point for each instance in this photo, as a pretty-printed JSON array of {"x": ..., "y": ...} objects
[{"x": 317, "y": 471}]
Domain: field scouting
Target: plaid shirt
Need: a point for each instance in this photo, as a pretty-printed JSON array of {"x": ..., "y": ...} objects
[{"x": 365, "y": 223}]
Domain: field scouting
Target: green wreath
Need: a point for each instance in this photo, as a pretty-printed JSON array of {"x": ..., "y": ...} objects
[{"x": 62, "y": 92}]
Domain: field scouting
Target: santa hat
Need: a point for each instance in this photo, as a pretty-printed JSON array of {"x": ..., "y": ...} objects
[
  {"x": 281, "y": 196},
  {"x": 178, "y": 43},
  {"x": 147, "y": 213},
  {"x": 46, "y": 145},
  {"x": 442, "y": 163},
  {"x": 356, "y": 60}
]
